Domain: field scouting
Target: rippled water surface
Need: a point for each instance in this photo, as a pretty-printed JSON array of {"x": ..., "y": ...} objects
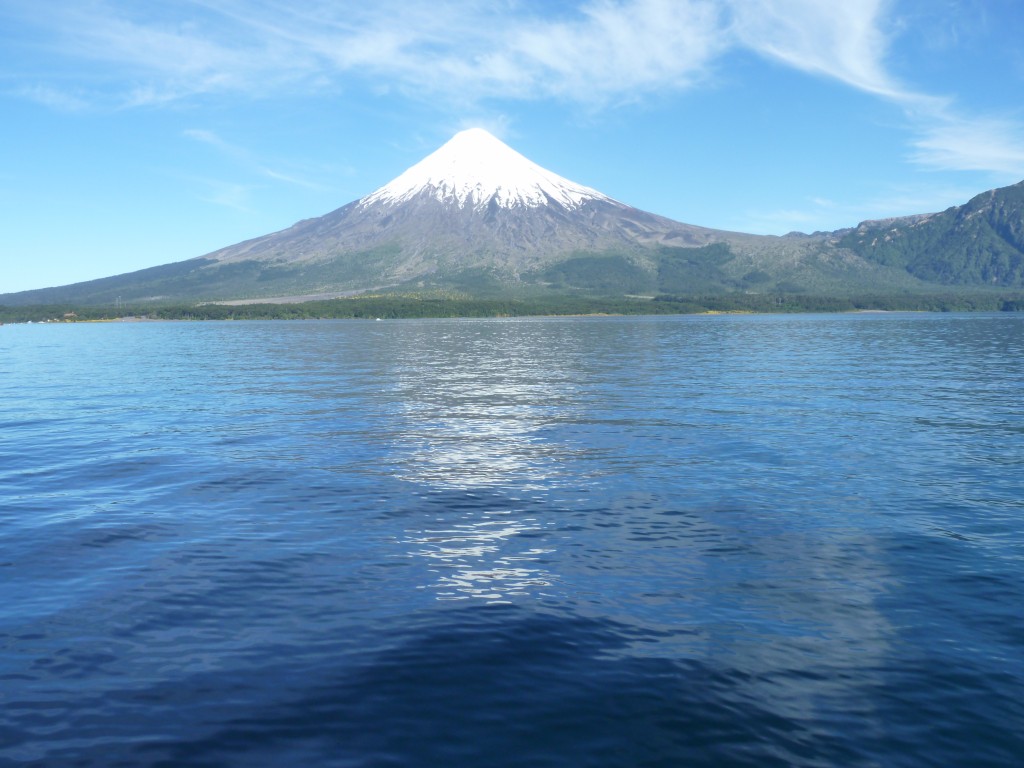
[{"x": 783, "y": 540}]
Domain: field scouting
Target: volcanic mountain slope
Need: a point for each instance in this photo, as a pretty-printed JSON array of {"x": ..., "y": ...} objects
[
  {"x": 474, "y": 203},
  {"x": 478, "y": 217}
]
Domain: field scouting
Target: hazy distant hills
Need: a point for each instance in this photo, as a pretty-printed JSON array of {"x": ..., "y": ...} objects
[{"x": 477, "y": 218}]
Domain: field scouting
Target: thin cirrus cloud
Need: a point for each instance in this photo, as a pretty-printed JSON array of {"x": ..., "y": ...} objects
[
  {"x": 971, "y": 145},
  {"x": 597, "y": 53},
  {"x": 615, "y": 49},
  {"x": 245, "y": 158},
  {"x": 56, "y": 99},
  {"x": 465, "y": 50},
  {"x": 845, "y": 42}
]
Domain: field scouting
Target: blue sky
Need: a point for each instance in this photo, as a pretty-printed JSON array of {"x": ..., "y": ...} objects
[{"x": 137, "y": 133}]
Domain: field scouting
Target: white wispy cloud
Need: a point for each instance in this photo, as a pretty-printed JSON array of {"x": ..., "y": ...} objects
[
  {"x": 600, "y": 51},
  {"x": 593, "y": 52},
  {"x": 842, "y": 40},
  {"x": 825, "y": 214},
  {"x": 246, "y": 158},
  {"x": 846, "y": 42},
  {"x": 912, "y": 198},
  {"x": 62, "y": 101},
  {"x": 226, "y": 194},
  {"x": 614, "y": 50},
  {"x": 211, "y": 138},
  {"x": 952, "y": 142}
]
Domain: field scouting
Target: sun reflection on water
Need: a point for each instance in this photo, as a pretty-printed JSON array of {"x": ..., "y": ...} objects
[
  {"x": 479, "y": 415},
  {"x": 476, "y": 558},
  {"x": 475, "y": 406}
]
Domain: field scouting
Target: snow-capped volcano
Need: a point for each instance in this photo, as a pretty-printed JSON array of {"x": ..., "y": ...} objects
[
  {"x": 478, "y": 218},
  {"x": 473, "y": 169},
  {"x": 473, "y": 215},
  {"x": 473, "y": 204}
]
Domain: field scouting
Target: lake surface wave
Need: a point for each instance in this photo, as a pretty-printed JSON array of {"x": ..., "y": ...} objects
[{"x": 727, "y": 540}]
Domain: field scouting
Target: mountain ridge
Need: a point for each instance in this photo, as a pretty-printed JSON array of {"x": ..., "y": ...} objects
[
  {"x": 478, "y": 217},
  {"x": 983, "y": 240}
]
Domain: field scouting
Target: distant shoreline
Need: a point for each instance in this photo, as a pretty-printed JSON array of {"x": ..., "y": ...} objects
[
  {"x": 395, "y": 306},
  {"x": 709, "y": 313}
]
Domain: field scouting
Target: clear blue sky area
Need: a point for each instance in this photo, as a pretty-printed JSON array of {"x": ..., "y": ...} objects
[{"x": 137, "y": 133}]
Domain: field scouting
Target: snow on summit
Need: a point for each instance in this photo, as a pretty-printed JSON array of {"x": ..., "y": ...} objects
[{"x": 473, "y": 168}]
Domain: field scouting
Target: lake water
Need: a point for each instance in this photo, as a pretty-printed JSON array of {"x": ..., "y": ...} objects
[{"x": 719, "y": 540}]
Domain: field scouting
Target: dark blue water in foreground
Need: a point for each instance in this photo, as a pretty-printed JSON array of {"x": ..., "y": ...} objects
[{"x": 756, "y": 541}]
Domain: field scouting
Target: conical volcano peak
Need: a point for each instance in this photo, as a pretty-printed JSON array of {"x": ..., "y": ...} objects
[
  {"x": 473, "y": 169},
  {"x": 477, "y": 141}
]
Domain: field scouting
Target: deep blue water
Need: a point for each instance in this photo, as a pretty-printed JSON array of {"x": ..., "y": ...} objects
[{"x": 746, "y": 541}]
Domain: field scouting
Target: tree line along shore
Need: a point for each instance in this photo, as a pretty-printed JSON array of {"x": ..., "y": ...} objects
[{"x": 393, "y": 307}]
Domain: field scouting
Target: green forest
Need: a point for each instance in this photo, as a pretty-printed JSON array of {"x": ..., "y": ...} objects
[{"x": 397, "y": 306}]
